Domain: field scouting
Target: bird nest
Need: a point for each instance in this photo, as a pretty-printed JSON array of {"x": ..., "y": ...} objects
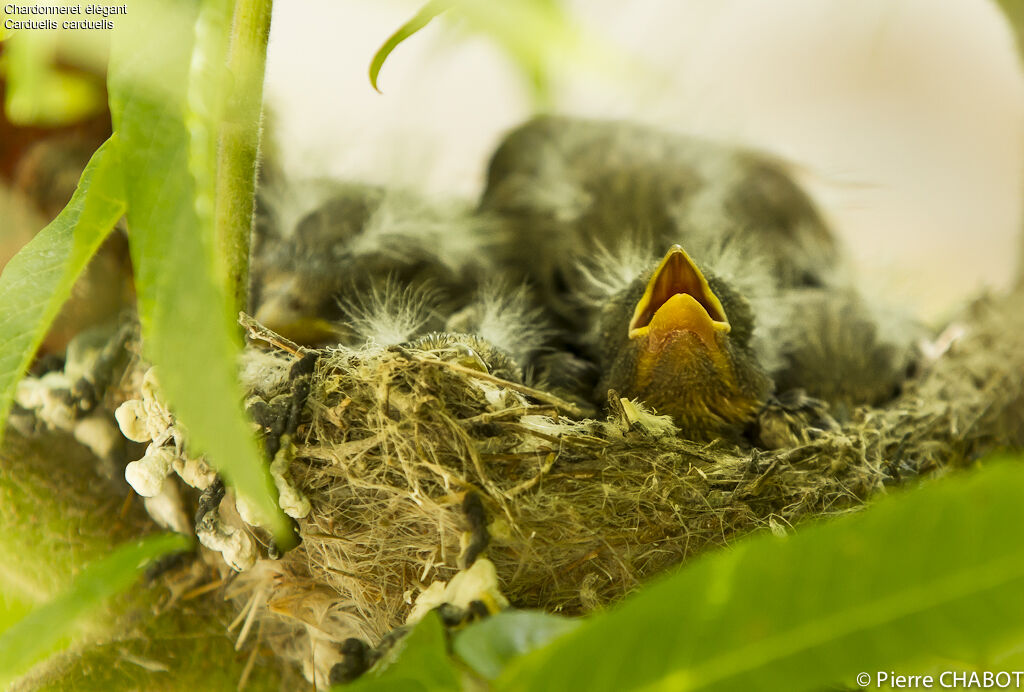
[{"x": 413, "y": 463}]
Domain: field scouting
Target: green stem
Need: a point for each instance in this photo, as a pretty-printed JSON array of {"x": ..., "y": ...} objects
[{"x": 239, "y": 146}]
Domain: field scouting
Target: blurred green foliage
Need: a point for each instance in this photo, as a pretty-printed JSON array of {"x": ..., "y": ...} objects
[
  {"x": 539, "y": 36},
  {"x": 490, "y": 645},
  {"x": 919, "y": 575},
  {"x": 37, "y": 91},
  {"x": 57, "y": 514},
  {"x": 160, "y": 169},
  {"x": 1014, "y": 10},
  {"x": 419, "y": 661},
  {"x": 185, "y": 648},
  {"x": 35, "y": 635}
]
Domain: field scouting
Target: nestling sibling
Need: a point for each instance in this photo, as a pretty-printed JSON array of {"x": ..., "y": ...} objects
[
  {"x": 343, "y": 248},
  {"x": 365, "y": 264}
]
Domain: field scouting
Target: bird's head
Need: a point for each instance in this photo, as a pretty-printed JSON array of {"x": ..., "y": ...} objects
[{"x": 679, "y": 340}]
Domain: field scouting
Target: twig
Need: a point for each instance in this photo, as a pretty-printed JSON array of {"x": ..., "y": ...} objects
[
  {"x": 527, "y": 484},
  {"x": 488, "y": 416},
  {"x": 571, "y": 409},
  {"x": 257, "y": 332},
  {"x": 200, "y": 590},
  {"x": 247, "y": 671},
  {"x": 346, "y": 449}
]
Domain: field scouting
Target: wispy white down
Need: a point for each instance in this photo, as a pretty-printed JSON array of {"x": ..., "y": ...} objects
[
  {"x": 386, "y": 314},
  {"x": 608, "y": 271},
  {"x": 505, "y": 317}
]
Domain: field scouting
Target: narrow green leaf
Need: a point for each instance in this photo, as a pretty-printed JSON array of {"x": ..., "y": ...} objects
[
  {"x": 489, "y": 645},
  {"x": 57, "y": 514},
  {"x": 933, "y": 573},
  {"x": 188, "y": 326},
  {"x": 37, "y": 281},
  {"x": 38, "y": 631},
  {"x": 419, "y": 661},
  {"x": 207, "y": 88},
  {"x": 422, "y": 18},
  {"x": 538, "y": 36}
]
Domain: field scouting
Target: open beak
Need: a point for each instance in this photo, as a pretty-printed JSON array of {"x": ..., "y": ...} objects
[{"x": 678, "y": 299}]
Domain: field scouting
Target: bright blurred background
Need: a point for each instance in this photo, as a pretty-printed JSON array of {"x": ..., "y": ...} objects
[{"x": 904, "y": 118}]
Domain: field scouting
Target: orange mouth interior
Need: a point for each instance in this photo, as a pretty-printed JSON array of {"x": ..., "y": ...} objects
[{"x": 678, "y": 298}]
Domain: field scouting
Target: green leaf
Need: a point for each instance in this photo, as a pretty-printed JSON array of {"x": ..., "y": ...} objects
[
  {"x": 207, "y": 88},
  {"x": 22, "y": 644},
  {"x": 419, "y": 661},
  {"x": 422, "y": 18},
  {"x": 933, "y": 573},
  {"x": 537, "y": 35},
  {"x": 188, "y": 326},
  {"x": 489, "y": 645},
  {"x": 37, "y": 281},
  {"x": 57, "y": 514}
]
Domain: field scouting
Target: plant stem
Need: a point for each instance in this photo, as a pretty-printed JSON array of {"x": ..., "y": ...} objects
[
  {"x": 239, "y": 145},
  {"x": 1014, "y": 11}
]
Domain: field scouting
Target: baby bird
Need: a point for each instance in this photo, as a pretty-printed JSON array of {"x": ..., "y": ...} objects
[
  {"x": 685, "y": 350},
  {"x": 705, "y": 331},
  {"x": 306, "y": 269},
  {"x": 849, "y": 351}
]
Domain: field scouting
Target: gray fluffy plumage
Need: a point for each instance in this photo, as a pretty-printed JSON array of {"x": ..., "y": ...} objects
[
  {"x": 329, "y": 251},
  {"x": 588, "y": 207}
]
